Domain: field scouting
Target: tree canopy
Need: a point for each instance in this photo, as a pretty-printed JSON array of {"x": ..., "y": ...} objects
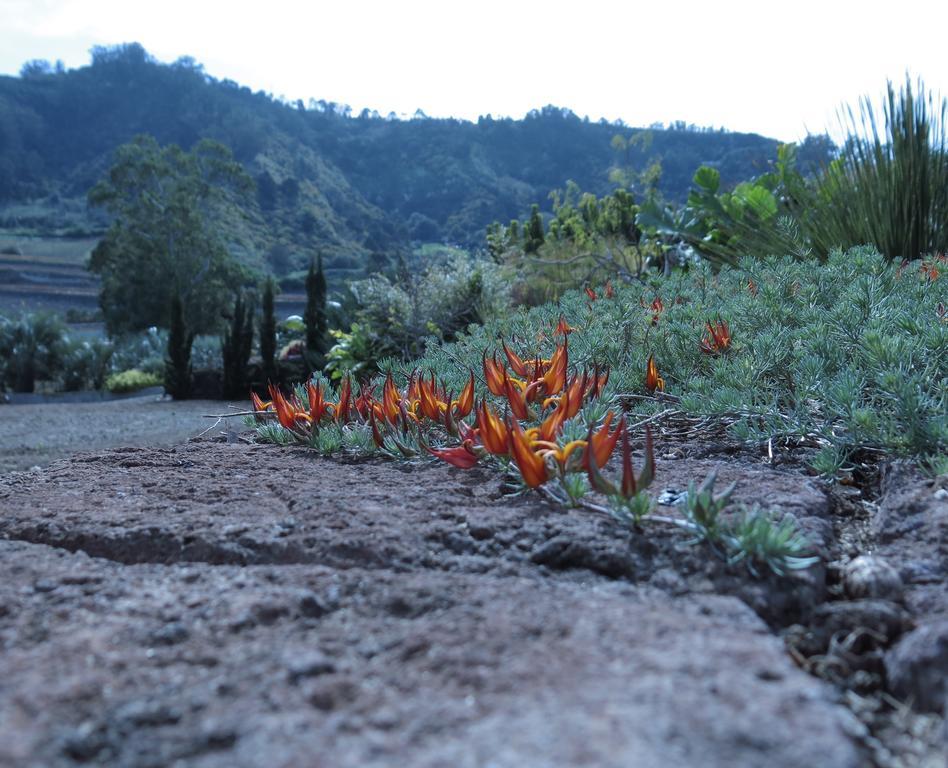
[{"x": 165, "y": 239}]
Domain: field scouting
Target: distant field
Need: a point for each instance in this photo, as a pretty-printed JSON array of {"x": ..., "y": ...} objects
[{"x": 54, "y": 250}]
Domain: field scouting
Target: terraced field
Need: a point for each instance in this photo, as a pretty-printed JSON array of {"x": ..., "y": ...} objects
[{"x": 49, "y": 274}]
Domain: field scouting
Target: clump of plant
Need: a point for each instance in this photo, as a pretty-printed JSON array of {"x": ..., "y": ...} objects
[
  {"x": 85, "y": 364},
  {"x": 544, "y": 423},
  {"x": 32, "y": 347},
  {"x": 843, "y": 359},
  {"x": 753, "y": 536},
  {"x": 131, "y": 381},
  {"x": 887, "y": 186},
  {"x": 396, "y": 316}
]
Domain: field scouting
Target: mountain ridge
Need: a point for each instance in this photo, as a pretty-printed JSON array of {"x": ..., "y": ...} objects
[{"x": 360, "y": 189}]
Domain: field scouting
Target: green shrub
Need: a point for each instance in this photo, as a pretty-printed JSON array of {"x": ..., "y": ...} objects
[
  {"x": 396, "y": 318},
  {"x": 888, "y": 187},
  {"x": 852, "y": 354},
  {"x": 131, "y": 381},
  {"x": 588, "y": 241}
]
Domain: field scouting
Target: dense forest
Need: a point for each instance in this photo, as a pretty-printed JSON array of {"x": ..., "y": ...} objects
[{"x": 358, "y": 188}]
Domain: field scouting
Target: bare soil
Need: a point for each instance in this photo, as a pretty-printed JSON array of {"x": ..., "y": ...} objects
[
  {"x": 224, "y": 604},
  {"x": 36, "y": 435}
]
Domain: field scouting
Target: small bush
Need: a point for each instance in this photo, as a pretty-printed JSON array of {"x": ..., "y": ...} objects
[
  {"x": 131, "y": 381},
  {"x": 396, "y": 317}
]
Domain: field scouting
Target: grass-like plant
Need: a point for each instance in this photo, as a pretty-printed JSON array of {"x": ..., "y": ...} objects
[{"x": 889, "y": 185}]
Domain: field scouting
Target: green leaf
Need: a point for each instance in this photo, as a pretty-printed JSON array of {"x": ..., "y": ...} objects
[
  {"x": 759, "y": 199},
  {"x": 708, "y": 178}
]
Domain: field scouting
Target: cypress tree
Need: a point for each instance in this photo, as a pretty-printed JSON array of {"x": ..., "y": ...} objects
[
  {"x": 178, "y": 361},
  {"x": 268, "y": 340},
  {"x": 315, "y": 318},
  {"x": 235, "y": 349}
]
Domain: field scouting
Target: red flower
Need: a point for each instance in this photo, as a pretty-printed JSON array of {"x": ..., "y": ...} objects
[
  {"x": 717, "y": 338},
  {"x": 462, "y": 456}
]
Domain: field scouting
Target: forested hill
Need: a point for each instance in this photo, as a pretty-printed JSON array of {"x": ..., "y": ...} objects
[{"x": 352, "y": 186}]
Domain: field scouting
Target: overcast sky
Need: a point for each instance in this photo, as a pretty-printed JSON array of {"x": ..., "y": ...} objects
[{"x": 779, "y": 69}]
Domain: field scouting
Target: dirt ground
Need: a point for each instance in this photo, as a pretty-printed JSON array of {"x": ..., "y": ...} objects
[
  {"x": 225, "y": 604},
  {"x": 35, "y": 435}
]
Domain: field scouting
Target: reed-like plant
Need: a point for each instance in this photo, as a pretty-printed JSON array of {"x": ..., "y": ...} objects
[{"x": 889, "y": 185}]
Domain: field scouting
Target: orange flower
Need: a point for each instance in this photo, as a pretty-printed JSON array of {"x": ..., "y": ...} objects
[
  {"x": 602, "y": 443},
  {"x": 590, "y": 293},
  {"x": 465, "y": 402},
  {"x": 318, "y": 407},
  {"x": 493, "y": 431},
  {"x": 427, "y": 397},
  {"x": 929, "y": 270},
  {"x": 610, "y": 291},
  {"x": 532, "y": 466},
  {"x": 553, "y": 424},
  {"x": 717, "y": 338},
  {"x": 575, "y": 393},
  {"x": 562, "y": 328},
  {"x": 391, "y": 399},
  {"x": 260, "y": 406},
  {"x": 287, "y": 414},
  {"x": 494, "y": 375},
  {"x": 549, "y": 449},
  {"x": 517, "y": 365},
  {"x": 344, "y": 406},
  {"x": 752, "y": 287},
  {"x": 515, "y": 396},
  {"x": 652, "y": 380},
  {"x": 555, "y": 378},
  {"x": 657, "y": 306}
]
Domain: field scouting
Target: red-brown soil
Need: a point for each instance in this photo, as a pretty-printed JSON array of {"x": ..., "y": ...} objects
[{"x": 225, "y": 604}]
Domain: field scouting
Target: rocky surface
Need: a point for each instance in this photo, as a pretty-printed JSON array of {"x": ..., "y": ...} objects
[
  {"x": 230, "y": 605},
  {"x": 911, "y": 526}
]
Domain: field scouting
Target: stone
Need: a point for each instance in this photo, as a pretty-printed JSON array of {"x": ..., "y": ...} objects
[
  {"x": 874, "y": 577},
  {"x": 917, "y": 667}
]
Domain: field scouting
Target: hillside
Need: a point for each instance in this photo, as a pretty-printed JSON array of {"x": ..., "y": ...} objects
[{"x": 359, "y": 188}]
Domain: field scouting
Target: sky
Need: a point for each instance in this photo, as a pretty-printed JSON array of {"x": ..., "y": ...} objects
[{"x": 778, "y": 69}]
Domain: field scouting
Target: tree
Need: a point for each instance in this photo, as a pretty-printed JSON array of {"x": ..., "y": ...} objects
[
  {"x": 235, "y": 349},
  {"x": 165, "y": 240},
  {"x": 317, "y": 324},
  {"x": 268, "y": 340},
  {"x": 178, "y": 361},
  {"x": 534, "y": 231}
]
